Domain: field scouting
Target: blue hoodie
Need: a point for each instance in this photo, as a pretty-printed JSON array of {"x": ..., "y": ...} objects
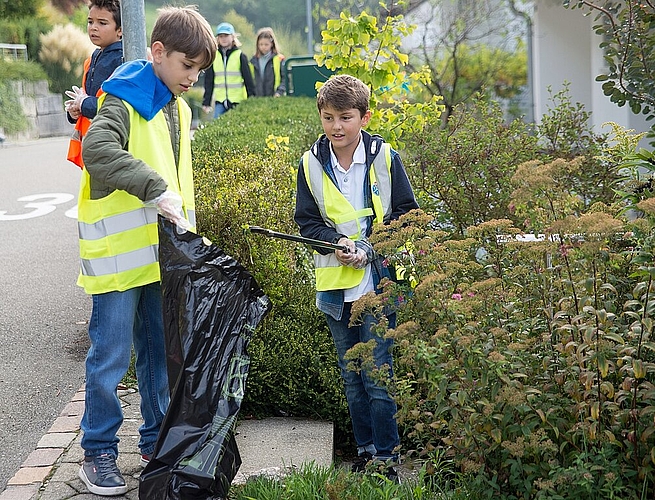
[{"x": 136, "y": 83}]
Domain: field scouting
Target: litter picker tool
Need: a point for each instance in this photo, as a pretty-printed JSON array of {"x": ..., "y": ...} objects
[{"x": 298, "y": 239}]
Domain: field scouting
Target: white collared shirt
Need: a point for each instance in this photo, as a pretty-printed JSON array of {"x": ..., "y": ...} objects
[{"x": 351, "y": 183}]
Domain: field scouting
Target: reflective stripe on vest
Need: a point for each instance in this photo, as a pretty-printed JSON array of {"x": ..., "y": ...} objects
[
  {"x": 118, "y": 234},
  {"x": 337, "y": 212},
  {"x": 228, "y": 81}
]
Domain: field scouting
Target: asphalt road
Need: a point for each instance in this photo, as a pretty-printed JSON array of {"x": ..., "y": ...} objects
[{"x": 43, "y": 314}]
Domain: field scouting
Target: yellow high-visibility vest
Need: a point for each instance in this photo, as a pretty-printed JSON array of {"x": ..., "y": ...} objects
[
  {"x": 277, "y": 70},
  {"x": 117, "y": 233},
  {"x": 341, "y": 215},
  {"x": 228, "y": 81}
]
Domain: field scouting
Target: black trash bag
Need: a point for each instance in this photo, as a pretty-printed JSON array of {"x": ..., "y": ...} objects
[{"x": 212, "y": 305}]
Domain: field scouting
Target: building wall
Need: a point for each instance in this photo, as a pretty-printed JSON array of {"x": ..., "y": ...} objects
[
  {"x": 44, "y": 111},
  {"x": 565, "y": 48}
]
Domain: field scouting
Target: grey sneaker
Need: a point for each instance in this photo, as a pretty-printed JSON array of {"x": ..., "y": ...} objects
[{"x": 102, "y": 477}]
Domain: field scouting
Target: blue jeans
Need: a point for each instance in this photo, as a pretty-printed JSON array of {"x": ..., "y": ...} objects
[
  {"x": 372, "y": 410},
  {"x": 118, "y": 320},
  {"x": 219, "y": 109}
]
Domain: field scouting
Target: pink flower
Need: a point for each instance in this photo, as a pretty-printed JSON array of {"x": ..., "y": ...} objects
[{"x": 457, "y": 296}]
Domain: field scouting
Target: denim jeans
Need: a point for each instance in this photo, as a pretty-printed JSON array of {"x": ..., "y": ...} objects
[
  {"x": 219, "y": 109},
  {"x": 372, "y": 410},
  {"x": 118, "y": 320}
]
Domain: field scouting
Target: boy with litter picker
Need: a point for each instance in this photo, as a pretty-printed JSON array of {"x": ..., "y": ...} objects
[
  {"x": 137, "y": 156},
  {"x": 348, "y": 181},
  {"x": 104, "y": 29}
]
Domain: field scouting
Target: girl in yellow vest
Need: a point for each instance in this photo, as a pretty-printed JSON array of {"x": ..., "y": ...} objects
[
  {"x": 266, "y": 65},
  {"x": 228, "y": 81}
]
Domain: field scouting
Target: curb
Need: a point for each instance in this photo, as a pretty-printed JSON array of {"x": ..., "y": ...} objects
[{"x": 40, "y": 464}]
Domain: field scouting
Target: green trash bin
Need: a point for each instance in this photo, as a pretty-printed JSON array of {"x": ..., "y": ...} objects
[{"x": 302, "y": 73}]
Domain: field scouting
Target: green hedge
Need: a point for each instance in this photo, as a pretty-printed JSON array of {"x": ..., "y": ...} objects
[
  {"x": 12, "y": 118},
  {"x": 246, "y": 127}
]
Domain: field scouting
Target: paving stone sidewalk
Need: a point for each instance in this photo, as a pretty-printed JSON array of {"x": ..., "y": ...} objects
[{"x": 266, "y": 446}]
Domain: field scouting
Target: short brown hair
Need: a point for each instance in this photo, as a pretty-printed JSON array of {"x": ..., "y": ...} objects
[
  {"x": 113, "y": 6},
  {"x": 343, "y": 92},
  {"x": 183, "y": 29}
]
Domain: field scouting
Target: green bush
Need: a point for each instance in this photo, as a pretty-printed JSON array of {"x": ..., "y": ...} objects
[
  {"x": 247, "y": 126},
  {"x": 12, "y": 118},
  {"x": 25, "y": 30},
  {"x": 462, "y": 172},
  {"x": 242, "y": 181},
  {"x": 532, "y": 364},
  {"x": 21, "y": 70}
]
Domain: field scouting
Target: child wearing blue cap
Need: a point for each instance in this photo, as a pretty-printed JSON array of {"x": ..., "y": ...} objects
[{"x": 229, "y": 80}]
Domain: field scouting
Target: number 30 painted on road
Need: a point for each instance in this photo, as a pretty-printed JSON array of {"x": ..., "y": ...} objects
[{"x": 39, "y": 208}]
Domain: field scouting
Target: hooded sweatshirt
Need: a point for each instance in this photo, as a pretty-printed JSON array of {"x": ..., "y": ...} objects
[{"x": 105, "y": 146}]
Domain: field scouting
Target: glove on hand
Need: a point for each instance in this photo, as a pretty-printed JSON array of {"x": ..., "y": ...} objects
[
  {"x": 359, "y": 260},
  {"x": 365, "y": 249},
  {"x": 77, "y": 95},
  {"x": 169, "y": 204},
  {"x": 355, "y": 257}
]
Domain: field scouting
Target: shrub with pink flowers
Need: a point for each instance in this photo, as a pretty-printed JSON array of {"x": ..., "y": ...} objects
[{"x": 529, "y": 367}]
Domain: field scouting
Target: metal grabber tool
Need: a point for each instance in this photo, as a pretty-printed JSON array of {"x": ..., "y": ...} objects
[{"x": 298, "y": 239}]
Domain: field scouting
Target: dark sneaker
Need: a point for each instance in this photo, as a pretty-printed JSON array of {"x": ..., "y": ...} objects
[
  {"x": 145, "y": 460},
  {"x": 391, "y": 474},
  {"x": 359, "y": 464},
  {"x": 102, "y": 477}
]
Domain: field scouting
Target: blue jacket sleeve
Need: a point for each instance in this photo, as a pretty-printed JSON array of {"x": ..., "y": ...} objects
[{"x": 402, "y": 195}]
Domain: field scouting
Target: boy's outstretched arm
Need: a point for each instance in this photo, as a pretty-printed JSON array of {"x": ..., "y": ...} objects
[{"x": 402, "y": 195}]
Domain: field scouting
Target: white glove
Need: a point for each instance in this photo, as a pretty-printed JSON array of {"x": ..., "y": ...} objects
[
  {"x": 77, "y": 95},
  {"x": 169, "y": 204},
  {"x": 359, "y": 260},
  {"x": 355, "y": 257}
]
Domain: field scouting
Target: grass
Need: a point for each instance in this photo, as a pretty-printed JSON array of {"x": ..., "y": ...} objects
[{"x": 312, "y": 482}]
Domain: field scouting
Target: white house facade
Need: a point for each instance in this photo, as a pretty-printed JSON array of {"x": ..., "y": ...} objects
[
  {"x": 562, "y": 48},
  {"x": 565, "y": 48}
]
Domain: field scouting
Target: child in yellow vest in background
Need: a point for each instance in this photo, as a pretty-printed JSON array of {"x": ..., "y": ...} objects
[
  {"x": 266, "y": 65},
  {"x": 228, "y": 81},
  {"x": 104, "y": 30}
]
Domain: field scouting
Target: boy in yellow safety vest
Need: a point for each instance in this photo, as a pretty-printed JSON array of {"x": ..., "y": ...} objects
[
  {"x": 137, "y": 155},
  {"x": 348, "y": 181}
]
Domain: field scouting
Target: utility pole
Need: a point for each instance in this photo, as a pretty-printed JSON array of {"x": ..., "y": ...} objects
[
  {"x": 133, "y": 20},
  {"x": 310, "y": 27}
]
